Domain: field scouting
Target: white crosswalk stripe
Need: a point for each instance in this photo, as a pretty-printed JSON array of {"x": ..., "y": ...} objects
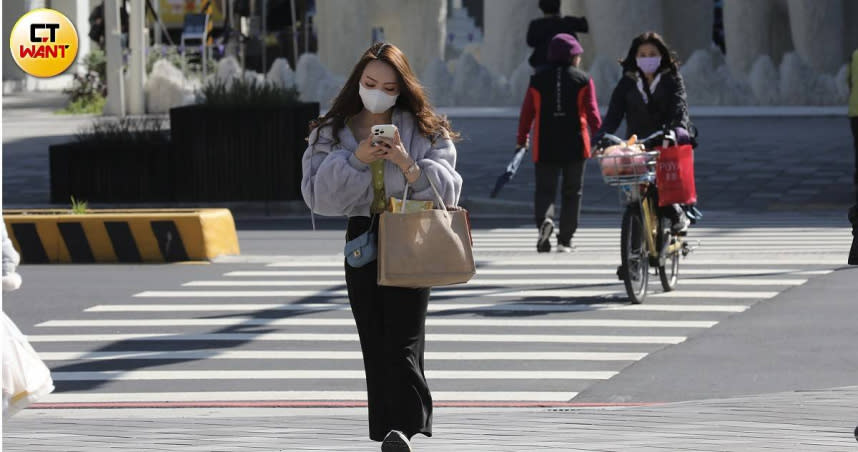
[
  {"x": 533, "y": 305},
  {"x": 529, "y": 328}
]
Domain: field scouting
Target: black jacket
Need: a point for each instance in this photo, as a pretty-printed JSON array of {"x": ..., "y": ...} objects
[
  {"x": 540, "y": 32},
  {"x": 561, "y": 109},
  {"x": 667, "y": 106}
]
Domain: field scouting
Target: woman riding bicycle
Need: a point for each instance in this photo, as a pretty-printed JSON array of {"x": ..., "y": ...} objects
[{"x": 651, "y": 97}]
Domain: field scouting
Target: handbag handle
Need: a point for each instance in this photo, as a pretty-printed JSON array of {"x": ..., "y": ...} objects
[{"x": 438, "y": 197}]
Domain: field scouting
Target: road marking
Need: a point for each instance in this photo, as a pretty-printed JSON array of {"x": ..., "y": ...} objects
[
  {"x": 439, "y": 292},
  {"x": 330, "y": 337},
  {"x": 531, "y": 306},
  {"x": 703, "y": 249},
  {"x": 505, "y": 282},
  {"x": 137, "y": 375},
  {"x": 567, "y": 268},
  {"x": 724, "y": 240},
  {"x": 333, "y": 355},
  {"x": 432, "y": 322},
  {"x": 714, "y": 294},
  {"x": 721, "y": 229},
  {"x": 436, "y": 293},
  {"x": 687, "y": 268},
  {"x": 437, "y": 396}
]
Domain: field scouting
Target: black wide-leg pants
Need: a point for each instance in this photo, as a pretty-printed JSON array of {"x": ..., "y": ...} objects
[{"x": 391, "y": 323}]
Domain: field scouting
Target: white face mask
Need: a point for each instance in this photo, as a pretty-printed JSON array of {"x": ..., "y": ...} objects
[{"x": 375, "y": 100}]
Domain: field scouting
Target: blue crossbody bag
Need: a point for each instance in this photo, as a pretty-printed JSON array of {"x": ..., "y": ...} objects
[{"x": 362, "y": 249}]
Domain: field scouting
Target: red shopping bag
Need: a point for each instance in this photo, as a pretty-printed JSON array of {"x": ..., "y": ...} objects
[{"x": 674, "y": 176}]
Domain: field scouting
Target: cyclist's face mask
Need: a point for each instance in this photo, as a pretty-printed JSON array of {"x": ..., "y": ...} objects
[{"x": 648, "y": 58}]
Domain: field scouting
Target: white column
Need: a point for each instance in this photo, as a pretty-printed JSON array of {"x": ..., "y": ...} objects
[
  {"x": 505, "y": 34},
  {"x": 137, "y": 58},
  {"x": 13, "y": 77},
  {"x": 81, "y": 23},
  {"x": 156, "y": 25},
  {"x": 818, "y": 32},
  {"x": 747, "y": 33},
  {"x": 112, "y": 38},
  {"x": 343, "y": 31},
  {"x": 688, "y": 25},
  {"x": 614, "y": 23},
  {"x": 417, "y": 27}
]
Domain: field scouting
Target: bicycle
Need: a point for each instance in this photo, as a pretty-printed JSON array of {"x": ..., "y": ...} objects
[{"x": 646, "y": 238}]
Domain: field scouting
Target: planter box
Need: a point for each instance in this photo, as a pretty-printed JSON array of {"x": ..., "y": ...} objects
[
  {"x": 104, "y": 172},
  {"x": 238, "y": 154},
  {"x": 162, "y": 235}
]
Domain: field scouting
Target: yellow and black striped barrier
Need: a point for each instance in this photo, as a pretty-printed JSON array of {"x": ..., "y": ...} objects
[{"x": 163, "y": 235}]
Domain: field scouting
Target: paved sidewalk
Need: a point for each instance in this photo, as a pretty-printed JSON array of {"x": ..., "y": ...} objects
[{"x": 821, "y": 420}]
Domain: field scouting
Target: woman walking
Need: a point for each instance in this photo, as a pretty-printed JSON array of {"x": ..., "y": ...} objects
[{"x": 349, "y": 172}]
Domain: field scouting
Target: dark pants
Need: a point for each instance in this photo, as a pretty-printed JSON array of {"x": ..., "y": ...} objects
[
  {"x": 391, "y": 323},
  {"x": 853, "y": 121},
  {"x": 571, "y": 192}
]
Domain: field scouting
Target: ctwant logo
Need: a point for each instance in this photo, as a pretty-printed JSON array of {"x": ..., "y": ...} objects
[{"x": 44, "y": 43}]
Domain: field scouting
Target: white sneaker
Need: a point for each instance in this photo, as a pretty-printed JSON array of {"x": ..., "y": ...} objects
[
  {"x": 395, "y": 441},
  {"x": 563, "y": 248}
]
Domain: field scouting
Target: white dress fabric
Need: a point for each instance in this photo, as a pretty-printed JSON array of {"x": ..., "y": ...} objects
[{"x": 25, "y": 377}]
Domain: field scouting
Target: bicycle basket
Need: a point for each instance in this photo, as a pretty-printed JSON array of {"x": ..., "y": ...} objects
[{"x": 628, "y": 168}]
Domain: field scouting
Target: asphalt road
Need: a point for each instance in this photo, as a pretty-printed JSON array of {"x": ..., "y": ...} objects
[{"x": 759, "y": 309}]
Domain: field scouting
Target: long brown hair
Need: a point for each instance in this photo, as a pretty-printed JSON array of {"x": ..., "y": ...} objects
[{"x": 412, "y": 97}]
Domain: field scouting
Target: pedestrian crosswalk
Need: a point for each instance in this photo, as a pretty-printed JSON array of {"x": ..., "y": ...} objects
[
  {"x": 535, "y": 328},
  {"x": 707, "y": 240}
]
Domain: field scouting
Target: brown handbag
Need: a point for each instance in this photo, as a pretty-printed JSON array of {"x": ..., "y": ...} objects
[{"x": 426, "y": 248}]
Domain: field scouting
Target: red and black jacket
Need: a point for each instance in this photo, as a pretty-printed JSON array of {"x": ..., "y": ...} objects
[{"x": 561, "y": 108}]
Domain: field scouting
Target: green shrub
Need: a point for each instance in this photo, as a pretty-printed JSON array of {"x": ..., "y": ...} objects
[
  {"x": 78, "y": 207},
  {"x": 85, "y": 106},
  {"x": 245, "y": 93},
  {"x": 127, "y": 130},
  {"x": 88, "y": 90}
]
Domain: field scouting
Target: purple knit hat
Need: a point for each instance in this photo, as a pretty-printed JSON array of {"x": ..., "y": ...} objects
[{"x": 563, "y": 47}]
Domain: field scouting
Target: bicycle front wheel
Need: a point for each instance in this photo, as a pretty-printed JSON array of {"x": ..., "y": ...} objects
[
  {"x": 668, "y": 269},
  {"x": 634, "y": 254}
]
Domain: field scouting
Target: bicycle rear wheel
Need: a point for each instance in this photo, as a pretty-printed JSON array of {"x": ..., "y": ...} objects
[
  {"x": 634, "y": 254},
  {"x": 668, "y": 269}
]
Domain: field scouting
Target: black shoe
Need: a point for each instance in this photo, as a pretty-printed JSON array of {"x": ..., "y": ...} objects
[
  {"x": 694, "y": 214},
  {"x": 395, "y": 441},
  {"x": 680, "y": 225},
  {"x": 543, "y": 245}
]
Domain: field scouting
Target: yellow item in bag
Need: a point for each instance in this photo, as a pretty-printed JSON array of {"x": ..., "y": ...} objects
[{"x": 411, "y": 205}]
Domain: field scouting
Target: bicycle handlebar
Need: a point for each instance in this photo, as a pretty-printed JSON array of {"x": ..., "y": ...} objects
[{"x": 670, "y": 136}]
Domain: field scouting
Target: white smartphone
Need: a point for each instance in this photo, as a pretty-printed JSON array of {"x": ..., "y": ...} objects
[{"x": 383, "y": 130}]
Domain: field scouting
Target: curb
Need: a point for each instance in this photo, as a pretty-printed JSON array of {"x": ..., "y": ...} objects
[
  {"x": 702, "y": 111},
  {"x": 478, "y": 207},
  {"x": 132, "y": 235}
]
